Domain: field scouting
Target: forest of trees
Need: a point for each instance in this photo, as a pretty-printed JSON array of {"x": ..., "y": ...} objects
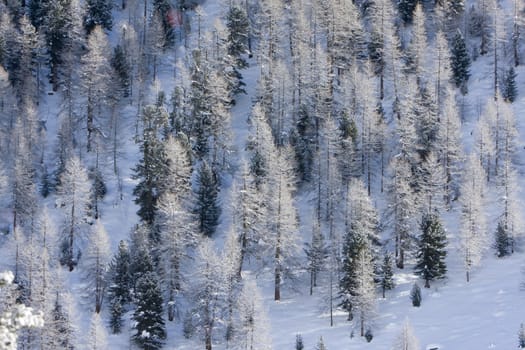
[{"x": 358, "y": 106}]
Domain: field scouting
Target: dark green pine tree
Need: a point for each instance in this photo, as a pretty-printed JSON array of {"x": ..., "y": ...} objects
[
  {"x": 431, "y": 250},
  {"x": 238, "y": 31},
  {"x": 98, "y": 13},
  {"x": 238, "y": 26},
  {"x": 509, "y": 91},
  {"x": 502, "y": 243},
  {"x": 406, "y": 10},
  {"x": 460, "y": 62},
  {"x": 37, "y": 12},
  {"x": 119, "y": 292},
  {"x": 150, "y": 329},
  {"x": 303, "y": 141},
  {"x": 207, "y": 207},
  {"x": 151, "y": 170},
  {"x": 119, "y": 63},
  {"x": 387, "y": 274},
  {"x": 355, "y": 241}
]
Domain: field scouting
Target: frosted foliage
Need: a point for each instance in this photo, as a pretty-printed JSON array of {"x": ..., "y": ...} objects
[
  {"x": 473, "y": 218},
  {"x": 97, "y": 334},
  {"x": 361, "y": 209},
  {"x": 406, "y": 340},
  {"x": 253, "y": 327},
  {"x": 15, "y": 318}
]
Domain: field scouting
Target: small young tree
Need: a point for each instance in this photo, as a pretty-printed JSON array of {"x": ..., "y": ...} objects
[
  {"x": 386, "y": 279},
  {"x": 299, "y": 342},
  {"x": 97, "y": 334},
  {"x": 316, "y": 253},
  {"x": 253, "y": 327},
  {"x": 502, "y": 240},
  {"x": 406, "y": 340},
  {"x": 521, "y": 337},
  {"x": 320, "y": 344},
  {"x": 415, "y": 295}
]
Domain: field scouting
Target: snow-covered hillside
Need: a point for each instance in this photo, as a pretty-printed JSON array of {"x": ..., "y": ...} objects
[{"x": 147, "y": 202}]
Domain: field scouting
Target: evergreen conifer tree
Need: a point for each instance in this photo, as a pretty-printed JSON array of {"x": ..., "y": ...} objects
[
  {"x": 122, "y": 69},
  {"x": 207, "y": 207},
  {"x": 150, "y": 331},
  {"x": 119, "y": 290},
  {"x": 460, "y": 62},
  {"x": 502, "y": 241},
  {"x": 406, "y": 10},
  {"x": 431, "y": 251},
  {"x": 415, "y": 295},
  {"x": 521, "y": 337},
  {"x": 386, "y": 279},
  {"x": 316, "y": 253},
  {"x": 509, "y": 90},
  {"x": 98, "y": 12},
  {"x": 320, "y": 344}
]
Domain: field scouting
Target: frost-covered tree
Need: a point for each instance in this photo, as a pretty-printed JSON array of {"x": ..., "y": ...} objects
[
  {"x": 401, "y": 208},
  {"x": 299, "y": 345},
  {"x": 406, "y": 339},
  {"x": 95, "y": 263},
  {"x": 317, "y": 253},
  {"x": 282, "y": 237},
  {"x": 253, "y": 328},
  {"x": 208, "y": 293},
  {"x": 473, "y": 219},
  {"x": 149, "y": 327},
  {"x": 320, "y": 344},
  {"x": 97, "y": 337},
  {"x": 432, "y": 250},
  {"x": 73, "y": 197},
  {"x": 96, "y": 82}
]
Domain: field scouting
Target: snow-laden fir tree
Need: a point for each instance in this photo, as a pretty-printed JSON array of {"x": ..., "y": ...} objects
[
  {"x": 473, "y": 229},
  {"x": 149, "y": 328},
  {"x": 406, "y": 10},
  {"x": 431, "y": 252},
  {"x": 299, "y": 345},
  {"x": 406, "y": 339},
  {"x": 95, "y": 264},
  {"x": 73, "y": 197},
  {"x": 521, "y": 337}
]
